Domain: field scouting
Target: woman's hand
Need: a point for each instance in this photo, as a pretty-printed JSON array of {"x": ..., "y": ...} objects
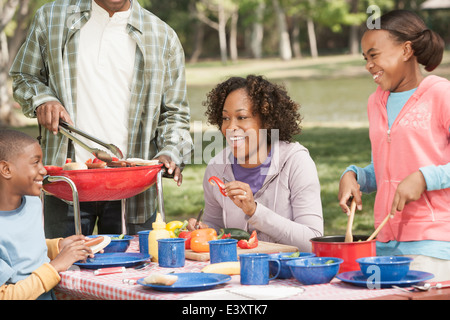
[
  {"x": 242, "y": 196},
  {"x": 410, "y": 189},
  {"x": 192, "y": 222},
  {"x": 348, "y": 189}
]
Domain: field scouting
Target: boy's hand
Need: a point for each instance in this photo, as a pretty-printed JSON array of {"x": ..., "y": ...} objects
[
  {"x": 66, "y": 241},
  {"x": 410, "y": 189},
  {"x": 70, "y": 253}
]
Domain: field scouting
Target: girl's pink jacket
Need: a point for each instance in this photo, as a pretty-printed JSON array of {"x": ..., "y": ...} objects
[{"x": 419, "y": 137}]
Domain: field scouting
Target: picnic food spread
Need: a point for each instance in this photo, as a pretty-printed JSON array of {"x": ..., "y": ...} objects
[
  {"x": 330, "y": 258},
  {"x": 203, "y": 280}
]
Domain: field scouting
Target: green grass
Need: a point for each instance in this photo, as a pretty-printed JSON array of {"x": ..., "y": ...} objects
[{"x": 332, "y": 149}]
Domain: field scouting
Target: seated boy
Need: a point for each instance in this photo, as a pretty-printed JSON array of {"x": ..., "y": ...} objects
[{"x": 26, "y": 268}]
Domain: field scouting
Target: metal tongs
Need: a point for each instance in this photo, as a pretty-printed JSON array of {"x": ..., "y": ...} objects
[{"x": 66, "y": 129}]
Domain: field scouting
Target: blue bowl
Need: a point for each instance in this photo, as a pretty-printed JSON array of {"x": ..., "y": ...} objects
[
  {"x": 283, "y": 258},
  {"x": 385, "y": 268},
  {"x": 315, "y": 270},
  {"x": 117, "y": 245}
]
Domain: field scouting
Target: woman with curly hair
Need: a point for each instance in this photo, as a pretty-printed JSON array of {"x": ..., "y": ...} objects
[{"x": 271, "y": 182}]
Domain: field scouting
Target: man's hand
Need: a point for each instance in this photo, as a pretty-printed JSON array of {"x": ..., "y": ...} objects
[
  {"x": 49, "y": 113},
  {"x": 171, "y": 168}
]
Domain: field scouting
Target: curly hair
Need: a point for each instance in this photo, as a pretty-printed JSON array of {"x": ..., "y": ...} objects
[{"x": 270, "y": 101}]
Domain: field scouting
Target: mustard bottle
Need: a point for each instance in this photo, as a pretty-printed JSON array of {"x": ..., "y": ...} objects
[{"x": 159, "y": 232}]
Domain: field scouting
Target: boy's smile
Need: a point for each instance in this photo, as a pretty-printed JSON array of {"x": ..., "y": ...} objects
[{"x": 28, "y": 172}]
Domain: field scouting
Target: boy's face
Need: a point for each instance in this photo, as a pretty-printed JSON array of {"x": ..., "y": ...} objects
[{"x": 27, "y": 171}]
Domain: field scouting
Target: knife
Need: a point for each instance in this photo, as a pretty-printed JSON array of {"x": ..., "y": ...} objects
[{"x": 199, "y": 217}]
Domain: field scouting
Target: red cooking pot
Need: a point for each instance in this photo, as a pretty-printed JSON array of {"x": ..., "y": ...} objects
[
  {"x": 106, "y": 184},
  {"x": 335, "y": 246}
]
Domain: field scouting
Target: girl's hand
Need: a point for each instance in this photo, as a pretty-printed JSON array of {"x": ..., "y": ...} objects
[
  {"x": 242, "y": 196},
  {"x": 410, "y": 189},
  {"x": 348, "y": 189}
]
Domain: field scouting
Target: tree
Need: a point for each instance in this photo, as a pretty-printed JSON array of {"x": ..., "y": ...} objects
[
  {"x": 14, "y": 18},
  {"x": 283, "y": 33},
  {"x": 216, "y": 13}
]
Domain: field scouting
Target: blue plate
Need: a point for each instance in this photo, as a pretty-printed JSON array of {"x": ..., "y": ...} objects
[
  {"x": 191, "y": 282},
  {"x": 117, "y": 259},
  {"x": 359, "y": 279}
]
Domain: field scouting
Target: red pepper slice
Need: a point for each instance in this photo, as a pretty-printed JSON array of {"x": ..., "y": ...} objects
[
  {"x": 251, "y": 243},
  {"x": 214, "y": 180}
]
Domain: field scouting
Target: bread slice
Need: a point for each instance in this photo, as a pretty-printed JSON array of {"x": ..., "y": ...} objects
[{"x": 162, "y": 279}]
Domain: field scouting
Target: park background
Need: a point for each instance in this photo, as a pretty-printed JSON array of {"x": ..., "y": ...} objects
[{"x": 309, "y": 46}]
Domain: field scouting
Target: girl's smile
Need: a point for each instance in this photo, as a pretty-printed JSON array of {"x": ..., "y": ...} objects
[{"x": 392, "y": 65}]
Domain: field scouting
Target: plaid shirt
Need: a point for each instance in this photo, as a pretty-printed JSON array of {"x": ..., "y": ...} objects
[{"x": 45, "y": 70}]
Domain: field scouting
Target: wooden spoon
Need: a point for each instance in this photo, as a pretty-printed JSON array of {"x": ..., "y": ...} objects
[
  {"x": 374, "y": 234},
  {"x": 348, "y": 233}
]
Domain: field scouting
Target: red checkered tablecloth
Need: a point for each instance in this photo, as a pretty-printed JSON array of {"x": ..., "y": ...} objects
[{"x": 83, "y": 284}]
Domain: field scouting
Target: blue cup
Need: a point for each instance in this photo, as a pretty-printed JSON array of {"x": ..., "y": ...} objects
[
  {"x": 222, "y": 250},
  {"x": 143, "y": 241},
  {"x": 171, "y": 252},
  {"x": 255, "y": 268}
]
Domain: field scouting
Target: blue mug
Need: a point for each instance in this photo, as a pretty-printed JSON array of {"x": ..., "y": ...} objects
[
  {"x": 143, "y": 241},
  {"x": 171, "y": 252},
  {"x": 222, "y": 250},
  {"x": 255, "y": 268}
]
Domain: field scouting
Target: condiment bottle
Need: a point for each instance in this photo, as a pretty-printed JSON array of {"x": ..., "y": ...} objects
[{"x": 159, "y": 232}]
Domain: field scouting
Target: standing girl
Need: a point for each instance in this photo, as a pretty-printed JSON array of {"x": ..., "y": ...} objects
[{"x": 409, "y": 118}]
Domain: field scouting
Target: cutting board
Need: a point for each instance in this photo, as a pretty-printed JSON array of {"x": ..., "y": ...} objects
[{"x": 263, "y": 247}]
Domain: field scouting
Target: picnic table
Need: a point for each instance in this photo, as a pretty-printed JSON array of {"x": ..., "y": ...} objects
[{"x": 83, "y": 284}]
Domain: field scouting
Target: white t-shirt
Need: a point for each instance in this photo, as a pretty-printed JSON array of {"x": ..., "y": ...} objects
[{"x": 105, "y": 65}]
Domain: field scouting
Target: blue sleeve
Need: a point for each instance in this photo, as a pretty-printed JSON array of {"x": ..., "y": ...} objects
[
  {"x": 365, "y": 177},
  {"x": 437, "y": 177}
]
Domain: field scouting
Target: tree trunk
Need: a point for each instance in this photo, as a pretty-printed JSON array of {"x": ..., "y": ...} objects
[
  {"x": 353, "y": 37},
  {"x": 285, "y": 43},
  {"x": 233, "y": 36},
  {"x": 295, "y": 37},
  {"x": 258, "y": 31},
  {"x": 222, "y": 34},
  {"x": 7, "y": 53},
  {"x": 312, "y": 38},
  {"x": 199, "y": 35}
]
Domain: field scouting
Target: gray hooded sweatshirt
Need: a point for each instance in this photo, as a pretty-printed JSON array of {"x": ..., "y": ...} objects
[{"x": 289, "y": 208}]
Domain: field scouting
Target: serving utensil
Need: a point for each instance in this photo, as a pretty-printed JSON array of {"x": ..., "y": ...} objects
[
  {"x": 375, "y": 233},
  {"x": 348, "y": 233},
  {"x": 66, "y": 130}
]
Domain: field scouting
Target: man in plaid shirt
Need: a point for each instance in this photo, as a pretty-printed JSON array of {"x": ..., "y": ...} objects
[{"x": 116, "y": 71}]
